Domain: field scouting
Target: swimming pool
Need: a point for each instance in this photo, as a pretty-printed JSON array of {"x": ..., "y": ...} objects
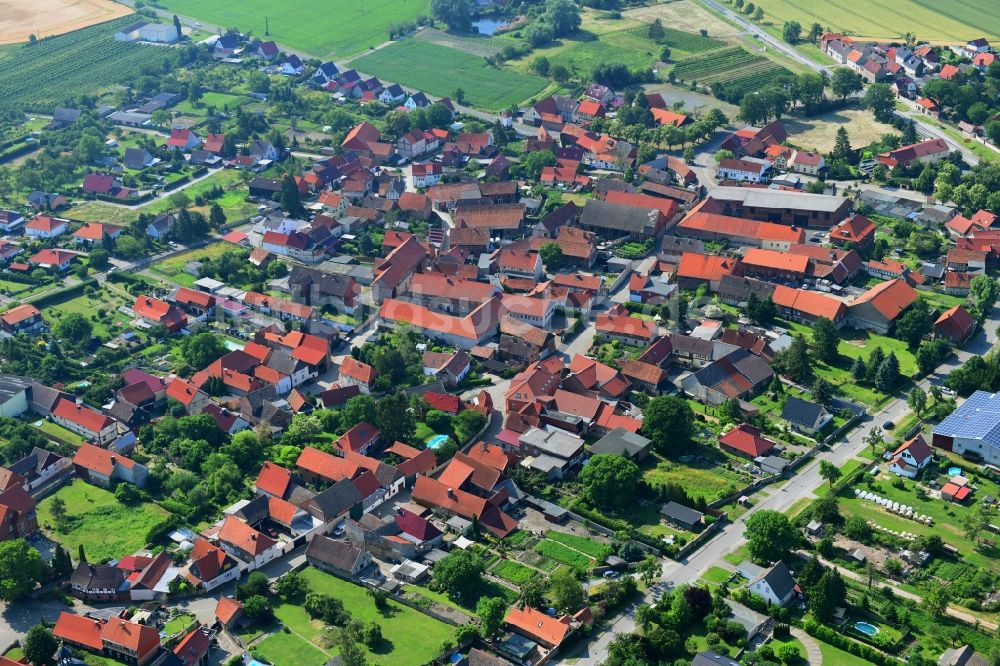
[
  {"x": 436, "y": 441},
  {"x": 866, "y": 628},
  {"x": 954, "y": 471},
  {"x": 253, "y": 662}
]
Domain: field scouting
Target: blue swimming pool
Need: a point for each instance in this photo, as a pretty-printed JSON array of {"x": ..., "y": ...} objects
[
  {"x": 866, "y": 628},
  {"x": 954, "y": 471},
  {"x": 436, "y": 441}
]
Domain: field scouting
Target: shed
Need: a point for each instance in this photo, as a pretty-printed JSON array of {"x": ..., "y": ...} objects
[{"x": 683, "y": 516}]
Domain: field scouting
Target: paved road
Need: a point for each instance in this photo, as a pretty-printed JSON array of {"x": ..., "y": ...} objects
[
  {"x": 952, "y": 611},
  {"x": 802, "y": 485},
  {"x": 924, "y": 129}
]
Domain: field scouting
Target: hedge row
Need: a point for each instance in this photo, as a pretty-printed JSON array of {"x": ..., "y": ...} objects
[
  {"x": 827, "y": 635},
  {"x": 62, "y": 295}
]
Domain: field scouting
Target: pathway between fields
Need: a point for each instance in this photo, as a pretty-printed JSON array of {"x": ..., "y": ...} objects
[{"x": 813, "y": 653}]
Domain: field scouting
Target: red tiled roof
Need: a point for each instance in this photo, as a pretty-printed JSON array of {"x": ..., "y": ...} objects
[
  {"x": 79, "y": 630},
  {"x": 45, "y": 223},
  {"x": 432, "y": 492},
  {"x": 808, "y": 302},
  {"x": 535, "y": 624},
  {"x": 136, "y": 637},
  {"x": 83, "y": 416},
  {"x": 705, "y": 266},
  {"x": 889, "y": 298},
  {"x": 772, "y": 259},
  {"x": 444, "y": 402},
  {"x": 747, "y": 439},
  {"x": 193, "y": 647},
  {"x": 917, "y": 447},
  {"x": 326, "y": 465},
  {"x": 19, "y": 313},
  {"x": 357, "y": 437},
  {"x": 738, "y": 227},
  {"x": 274, "y": 479},
  {"x": 227, "y": 609},
  {"x": 234, "y": 531}
]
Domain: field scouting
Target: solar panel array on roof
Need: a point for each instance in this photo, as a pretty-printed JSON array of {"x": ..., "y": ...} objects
[{"x": 977, "y": 418}]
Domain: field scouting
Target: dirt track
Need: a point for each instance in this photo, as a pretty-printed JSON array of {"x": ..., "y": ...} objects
[{"x": 20, "y": 18}]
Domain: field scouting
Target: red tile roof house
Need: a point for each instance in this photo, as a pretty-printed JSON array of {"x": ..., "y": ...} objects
[
  {"x": 59, "y": 260},
  {"x": 183, "y": 139},
  {"x": 359, "y": 439},
  {"x": 116, "y": 638},
  {"x": 746, "y": 440},
  {"x": 154, "y": 311},
  {"x": 955, "y": 325},
  {"x": 549, "y": 632},
  {"x": 190, "y": 396},
  {"x": 193, "y": 649},
  {"x": 228, "y": 612},
  {"x": 195, "y": 303},
  {"x": 857, "y": 229},
  {"x": 466, "y": 332},
  {"x": 101, "y": 467},
  {"x": 911, "y": 457},
  {"x": 932, "y": 150},
  {"x": 22, "y": 319},
  {"x": 45, "y": 226},
  {"x": 321, "y": 469},
  {"x": 617, "y": 324},
  {"x": 85, "y": 421},
  {"x": 17, "y": 511},
  {"x": 878, "y": 308},
  {"x": 210, "y": 566},
  {"x": 355, "y": 373},
  {"x": 450, "y": 501},
  {"x": 247, "y": 544},
  {"x": 94, "y": 233}
]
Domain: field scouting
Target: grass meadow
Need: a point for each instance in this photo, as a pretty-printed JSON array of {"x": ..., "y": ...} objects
[
  {"x": 105, "y": 527},
  {"x": 439, "y": 70}
]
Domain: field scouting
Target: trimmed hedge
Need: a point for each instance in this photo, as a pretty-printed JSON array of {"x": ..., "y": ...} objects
[
  {"x": 62, "y": 295},
  {"x": 828, "y": 635}
]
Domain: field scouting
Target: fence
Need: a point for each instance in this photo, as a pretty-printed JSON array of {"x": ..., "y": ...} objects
[{"x": 696, "y": 543}]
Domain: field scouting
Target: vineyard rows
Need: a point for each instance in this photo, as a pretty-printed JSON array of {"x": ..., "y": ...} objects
[
  {"x": 715, "y": 63},
  {"x": 689, "y": 42},
  {"x": 47, "y": 73}
]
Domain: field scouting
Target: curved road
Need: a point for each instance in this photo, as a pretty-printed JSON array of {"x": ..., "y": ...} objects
[{"x": 924, "y": 130}]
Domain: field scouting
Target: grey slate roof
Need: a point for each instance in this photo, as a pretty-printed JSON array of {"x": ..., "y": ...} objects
[
  {"x": 335, "y": 500},
  {"x": 710, "y": 658},
  {"x": 619, "y": 217},
  {"x": 96, "y": 577},
  {"x": 681, "y": 513},
  {"x": 341, "y": 555},
  {"x": 779, "y": 578},
  {"x": 803, "y": 412},
  {"x": 620, "y": 442}
]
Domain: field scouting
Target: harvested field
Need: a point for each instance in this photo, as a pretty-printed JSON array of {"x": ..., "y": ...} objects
[
  {"x": 686, "y": 15},
  {"x": 44, "y": 18},
  {"x": 819, "y": 132}
]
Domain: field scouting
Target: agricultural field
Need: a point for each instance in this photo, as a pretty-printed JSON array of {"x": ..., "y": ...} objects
[
  {"x": 420, "y": 65},
  {"x": 349, "y": 27},
  {"x": 81, "y": 62},
  {"x": 735, "y": 68},
  {"x": 686, "y": 15},
  {"x": 99, "y": 522},
  {"x": 44, "y": 18},
  {"x": 515, "y": 573},
  {"x": 940, "y": 21},
  {"x": 819, "y": 132}
]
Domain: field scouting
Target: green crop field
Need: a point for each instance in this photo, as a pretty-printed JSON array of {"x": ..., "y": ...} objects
[
  {"x": 338, "y": 29},
  {"x": 931, "y": 20},
  {"x": 561, "y": 553},
  {"x": 438, "y": 71},
  {"x": 43, "y": 74},
  {"x": 595, "y": 549},
  {"x": 513, "y": 572}
]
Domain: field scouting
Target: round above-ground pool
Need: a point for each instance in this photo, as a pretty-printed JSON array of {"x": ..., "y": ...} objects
[
  {"x": 436, "y": 441},
  {"x": 954, "y": 471},
  {"x": 866, "y": 628}
]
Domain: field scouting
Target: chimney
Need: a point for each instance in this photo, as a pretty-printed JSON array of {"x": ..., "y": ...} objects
[{"x": 451, "y": 493}]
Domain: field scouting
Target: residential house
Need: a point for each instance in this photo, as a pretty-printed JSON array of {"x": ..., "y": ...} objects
[
  {"x": 622, "y": 442},
  {"x": 156, "y": 312},
  {"x": 922, "y": 152},
  {"x": 480, "y": 325},
  {"x": 541, "y": 628},
  {"x": 805, "y": 416},
  {"x": 775, "y": 585},
  {"x": 441, "y": 498},
  {"x": 747, "y": 169},
  {"x": 911, "y": 457},
  {"x": 682, "y": 516},
  {"x": 747, "y": 441},
  {"x": 610, "y": 220},
  {"x": 101, "y": 467},
  {"x": 247, "y": 544},
  {"x": 955, "y": 325},
  {"x": 24, "y": 318},
  {"x": 45, "y": 226},
  {"x": 183, "y": 139},
  {"x": 341, "y": 558},
  {"x": 738, "y": 375},
  {"x": 97, "y": 582},
  {"x": 878, "y": 308},
  {"x": 355, "y": 373}
]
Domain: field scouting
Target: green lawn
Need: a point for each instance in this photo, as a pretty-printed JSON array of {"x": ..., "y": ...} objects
[
  {"x": 175, "y": 265},
  {"x": 410, "y": 636},
  {"x": 178, "y": 624},
  {"x": 439, "y": 70},
  {"x": 98, "y": 211},
  {"x": 283, "y": 649},
  {"x": 706, "y": 481},
  {"x": 62, "y": 433},
  {"x": 716, "y": 575},
  {"x": 834, "y": 655},
  {"x": 513, "y": 572},
  {"x": 343, "y": 29},
  {"x": 99, "y": 308},
  {"x": 105, "y": 528},
  {"x": 585, "y": 545}
]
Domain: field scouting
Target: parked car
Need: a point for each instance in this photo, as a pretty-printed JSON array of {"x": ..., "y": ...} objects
[{"x": 888, "y": 425}]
